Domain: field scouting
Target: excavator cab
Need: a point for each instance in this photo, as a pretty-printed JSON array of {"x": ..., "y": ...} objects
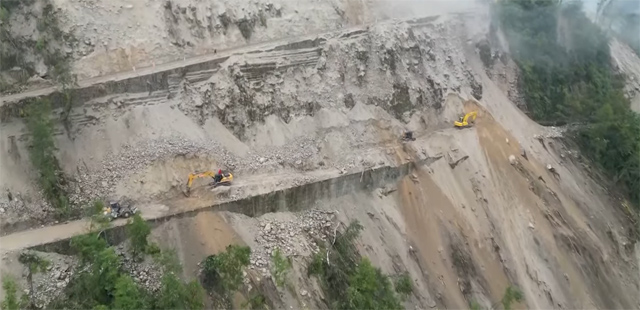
[
  {"x": 223, "y": 178},
  {"x": 466, "y": 120}
]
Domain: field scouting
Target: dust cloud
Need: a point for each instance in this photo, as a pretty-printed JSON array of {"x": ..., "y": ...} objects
[{"x": 390, "y": 9}]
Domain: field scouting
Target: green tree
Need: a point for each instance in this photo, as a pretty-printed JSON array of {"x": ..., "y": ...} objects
[
  {"x": 35, "y": 264},
  {"x": 349, "y": 281},
  {"x": 567, "y": 77},
  {"x": 95, "y": 283},
  {"x": 370, "y": 289},
  {"x": 127, "y": 295},
  {"x": 336, "y": 262},
  {"x": 138, "y": 230},
  {"x": 88, "y": 246},
  {"x": 225, "y": 269},
  {"x": 99, "y": 221},
  {"x": 175, "y": 294},
  {"x": 42, "y": 155}
]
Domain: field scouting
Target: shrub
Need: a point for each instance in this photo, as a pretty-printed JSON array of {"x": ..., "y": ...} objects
[
  {"x": 349, "y": 281},
  {"x": 281, "y": 267},
  {"x": 404, "y": 285},
  {"x": 370, "y": 289},
  {"x": 42, "y": 155},
  {"x": 225, "y": 269},
  {"x": 511, "y": 294},
  {"x": 138, "y": 230}
]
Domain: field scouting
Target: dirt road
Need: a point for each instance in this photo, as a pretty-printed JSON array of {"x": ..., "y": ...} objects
[
  {"x": 202, "y": 197},
  {"x": 151, "y": 69}
]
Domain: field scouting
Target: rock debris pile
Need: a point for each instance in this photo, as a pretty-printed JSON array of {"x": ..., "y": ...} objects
[
  {"x": 297, "y": 154},
  {"x": 147, "y": 274},
  {"x": 294, "y": 238},
  {"x": 14, "y": 208},
  {"x": 50, "y": 284},
  {"x": 133, "y": 158}
]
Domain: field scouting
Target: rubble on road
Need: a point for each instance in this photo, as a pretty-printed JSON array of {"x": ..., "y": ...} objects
[{"x": 134, "y": 158}]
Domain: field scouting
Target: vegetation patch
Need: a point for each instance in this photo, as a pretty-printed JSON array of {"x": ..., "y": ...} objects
[
  {"x": 511, "y": 295},
  {"x": 404, "y": 285},
  {"x": 257, "y": 301},
  {"x": 99, "y": 281},
  {"x": 348, "y": 280},
  {"x": 42, "y": 155},
  {"x": 138, "y": 231},
  {"x": 281, "y": 267},
  {"x": 567, "y": 77},
  {"x": 223, "y": 272},
  {"x": 35, "y": 264},
  {"x": 21, "y": 55},
  {"x": 11, "y": 300}
]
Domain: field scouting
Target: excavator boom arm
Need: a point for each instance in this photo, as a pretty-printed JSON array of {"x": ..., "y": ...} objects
[
  {"x": 193, "y": 176},
  {"x": 470, "y": 114}
]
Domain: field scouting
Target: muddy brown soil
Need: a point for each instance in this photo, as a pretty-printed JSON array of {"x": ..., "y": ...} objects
[{"x": 470, "y": 218}]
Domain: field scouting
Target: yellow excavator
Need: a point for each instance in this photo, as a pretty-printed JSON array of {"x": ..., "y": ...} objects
[
  {"x": 466, "y": 120},
  {"x": 220, "y": 178}
]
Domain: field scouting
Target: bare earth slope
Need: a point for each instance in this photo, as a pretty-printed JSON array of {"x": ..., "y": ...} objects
[{"x": 468, "y": 218}]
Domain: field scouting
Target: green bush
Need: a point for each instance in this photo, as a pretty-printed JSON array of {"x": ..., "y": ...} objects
[
  {"x": 370, "y": 289},
  {"x": 281, "y": 267},
  {"x": 127, "y": 295},
  {"x": 404, "y": 285},
  {"x": 224, "y": 270},
  {"x": 174, "y": 294},
  {"x": 511, "y": 294},
  {"x": 138, "y": 230}
]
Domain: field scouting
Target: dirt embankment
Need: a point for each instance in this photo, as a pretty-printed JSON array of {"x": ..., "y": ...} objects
[
  {"x": 465, "y": 230},
  {"x": 331, "y": 104},
  {"x": 466, "y": 224}
]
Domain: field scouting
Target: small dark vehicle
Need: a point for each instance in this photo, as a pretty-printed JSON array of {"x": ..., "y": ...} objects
[
  {"x": 408, "y": 136},
  {"x": 116, "y": 210}
]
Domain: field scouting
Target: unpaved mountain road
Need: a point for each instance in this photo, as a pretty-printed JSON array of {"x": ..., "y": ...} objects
[
  {"x": 151, "y": 69},
  {"x": 139, "y": 72},
  {"x": 202, "y": 196}
]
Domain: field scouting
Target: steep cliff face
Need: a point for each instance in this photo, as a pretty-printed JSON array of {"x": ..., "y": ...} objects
[{"x": 466, "y": 213}]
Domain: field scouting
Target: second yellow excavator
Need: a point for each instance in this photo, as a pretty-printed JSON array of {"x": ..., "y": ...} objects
[
  {"x": 220, "y": 178},
  {"x": 466, "y": 120}
]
